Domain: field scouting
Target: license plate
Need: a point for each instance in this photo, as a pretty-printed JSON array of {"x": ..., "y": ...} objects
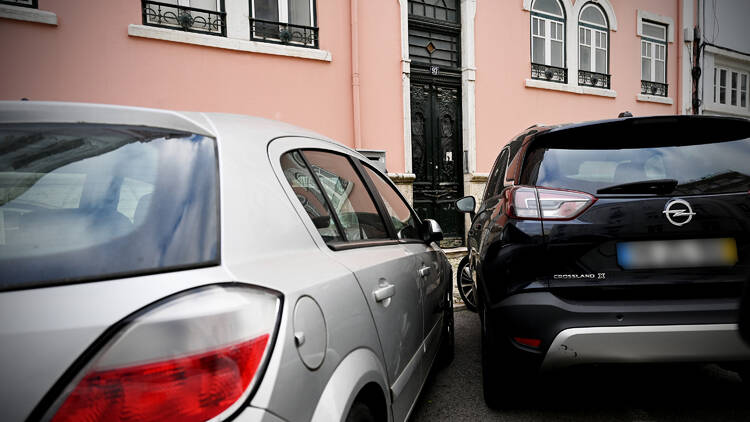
[{"x": 687, "y": 253}]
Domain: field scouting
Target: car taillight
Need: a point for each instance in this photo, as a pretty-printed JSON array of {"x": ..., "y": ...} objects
[
  {"x": 553, "y": 204},
  {"x": 192, "y": 358}
]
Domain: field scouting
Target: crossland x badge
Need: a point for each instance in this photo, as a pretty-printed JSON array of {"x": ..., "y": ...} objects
[{"x": 678, "y": 212}]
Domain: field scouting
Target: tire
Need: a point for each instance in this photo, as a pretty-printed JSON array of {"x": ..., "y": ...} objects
[
  {"x": 448, "y": 339},
  {"x": 465, "y": 285},
  {"x": 360, "y": 412},
  {"x": 507, "y": 380}
]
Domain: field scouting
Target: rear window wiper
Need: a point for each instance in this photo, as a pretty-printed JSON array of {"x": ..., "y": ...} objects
[{"x": 658, "y": 186}]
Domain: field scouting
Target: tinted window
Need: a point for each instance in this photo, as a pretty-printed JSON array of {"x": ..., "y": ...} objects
[
  {"x": 309, "y": 195},
  {"x": 82, "y": 202},
  {"x": 497, "y": 177},
  {"x": 348, "y": 196},
  {"x": 401, "y": 216},
  {"x": 719, "y": 167}
]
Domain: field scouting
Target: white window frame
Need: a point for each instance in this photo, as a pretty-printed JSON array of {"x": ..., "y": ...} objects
[
  {"x": 593, "y": 30},
  {"x": 284, "y": 12},
  {"x": 548, "y": 19},
  {"x": 186, "y": 3},
  {"x": 716, "y": 88},
  {"x": 652, "y": 47}
]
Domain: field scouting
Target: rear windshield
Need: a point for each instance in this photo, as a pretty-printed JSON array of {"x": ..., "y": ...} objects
[
  {"x": 84, "y": 202},
  {"x": 720, "y": 167}
]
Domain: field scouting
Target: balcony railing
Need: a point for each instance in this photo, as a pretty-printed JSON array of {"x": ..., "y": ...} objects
[
  {"x": 283, "y": 33},
  {"x": 597, "y": 80},
  {"x": 654, "y": 88},
  {"x": 549, "y": 73},
  {"x": 22, "y": 3},
  {"x": 184, "y": 18}
]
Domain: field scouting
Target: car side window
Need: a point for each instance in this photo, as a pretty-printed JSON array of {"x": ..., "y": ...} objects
[
  {"x": 309, "y": 195},
  {"x": 404, "y": 221},
  {"x": 348, "y": 196},
  {"x": 495, "y": 184}
]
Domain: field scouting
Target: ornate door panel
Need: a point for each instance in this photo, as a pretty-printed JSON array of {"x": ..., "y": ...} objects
[{"x": 436, "y": 156}]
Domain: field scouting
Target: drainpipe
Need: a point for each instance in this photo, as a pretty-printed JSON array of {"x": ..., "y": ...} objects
[{"x": 355, "y": 74}]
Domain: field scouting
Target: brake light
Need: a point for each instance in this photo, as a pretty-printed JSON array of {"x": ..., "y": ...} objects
[
  {"x": 189, "y": 359},
  {"x": 553, "y": 204},
  {"x": 530, "y": 342}
]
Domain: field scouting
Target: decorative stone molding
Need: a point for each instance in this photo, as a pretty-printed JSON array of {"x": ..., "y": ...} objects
[{"x": 404, "y": 182}]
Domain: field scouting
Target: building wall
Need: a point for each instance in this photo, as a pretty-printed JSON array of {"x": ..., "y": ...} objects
[
  {"x": 89, "y": 56},
  {"x": 506, "y": 106}
]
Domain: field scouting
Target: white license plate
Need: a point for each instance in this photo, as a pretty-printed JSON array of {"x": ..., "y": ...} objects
[{"x": 687, "y": 253}]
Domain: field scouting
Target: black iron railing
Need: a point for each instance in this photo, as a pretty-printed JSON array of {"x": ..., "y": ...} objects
[
  {"x": 185, "y": 18},
  {"x": 283, "y": 33},
  {"x": 654, "y": 88},
  {"x": 23, "y": 3},
  {"x": 597, "y": 80},
  {"x": 549, "y": 73}
]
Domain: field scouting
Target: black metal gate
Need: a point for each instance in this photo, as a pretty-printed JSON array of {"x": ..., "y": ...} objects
[{"x": 436, "y": 156}]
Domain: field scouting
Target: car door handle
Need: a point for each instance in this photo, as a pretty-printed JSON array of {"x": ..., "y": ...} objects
[
  {"x": 384, "y": 292},
  {"x": 424, "y": 271}
]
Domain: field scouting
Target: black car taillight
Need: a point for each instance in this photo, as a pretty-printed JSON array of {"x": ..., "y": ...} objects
[
  {"x": 193, "y": 358},
  {"x": 536, "y": 203}
]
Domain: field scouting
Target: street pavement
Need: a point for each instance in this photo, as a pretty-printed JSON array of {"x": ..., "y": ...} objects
[{"x": 637, "y": 394}]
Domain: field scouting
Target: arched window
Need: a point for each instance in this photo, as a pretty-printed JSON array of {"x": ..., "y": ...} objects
[
  {"x": 593, "y": 47},
  {"x": 548, "y": 41}
]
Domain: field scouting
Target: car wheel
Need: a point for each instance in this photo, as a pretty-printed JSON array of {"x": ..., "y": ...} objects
[
  {"x": 506, "y": 379},
  {"x": 465, "y": 285},
  {"x": 360, "y": 412},
  {"x": 448, "y": 343}
]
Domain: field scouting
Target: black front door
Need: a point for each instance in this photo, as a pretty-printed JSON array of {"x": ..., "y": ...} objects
[{"x": 436, "y": 156}]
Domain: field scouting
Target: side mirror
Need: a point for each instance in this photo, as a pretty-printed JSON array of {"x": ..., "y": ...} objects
[
  {"x": 467, "y": 204},
  {"x": 431, "y": 231}
]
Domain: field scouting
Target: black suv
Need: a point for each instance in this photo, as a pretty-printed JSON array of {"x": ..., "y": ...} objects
[{"x": 617, "y": 241}]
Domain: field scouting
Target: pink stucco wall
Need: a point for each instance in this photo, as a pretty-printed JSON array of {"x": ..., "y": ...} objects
[
  {"x": 90, "y": 57},
  {"x": 505, "y": 106}
]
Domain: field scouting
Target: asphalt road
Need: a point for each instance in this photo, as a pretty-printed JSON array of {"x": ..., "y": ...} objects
[{"x": 642, "y": 394}]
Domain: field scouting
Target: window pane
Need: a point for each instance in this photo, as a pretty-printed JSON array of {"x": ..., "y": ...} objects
[
  {"x": 309, "y": 195},
  {"x": 204, "y": 4},
  {"x": 538, "y": 50},
  {"x": 715, "y": 86},
  {"x": 594, "y": 15},
  {"x": 403, "y": 220},
  {"x": 722, "y": 86},
  {"x": 267, "y": 10},
  {"x": 557, "y": 53},
  {"x": 548, "y": 6},
  {"x": 601, "y": 60},
  {"x": 656, "y": 31},
  {"x": 584, "y": 55},
  {"x": 659, "y": 69},
  {"x": 582, "y": 35},
  {"x": 743, "y": 92},
  {"x": 646, "y": 69},
  {"x": 646, "y": 49},
  {"x": 733, "y": 95},
  {"x": 299, "y": 12},
  {"x": 542, "y": 27},
  {"x": 348, "y": 195}
]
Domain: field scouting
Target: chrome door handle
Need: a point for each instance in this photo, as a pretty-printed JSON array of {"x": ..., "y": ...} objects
[
  {"x": 424, "y": 271},
  {"x": 384, "y": 292}
]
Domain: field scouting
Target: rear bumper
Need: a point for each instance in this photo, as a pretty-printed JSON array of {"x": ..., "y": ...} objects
[
  {"x": 582, "y": 332},
  {"x": 640, "y": 344}
]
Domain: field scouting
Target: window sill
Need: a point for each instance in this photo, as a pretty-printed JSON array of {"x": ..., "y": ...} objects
[
  {"x": 654, "y": 99},
  {"x": 575, "y": 89},
  {"x": 27, "y": 14},
  {"x": 227, "y": 43},
  {"x": 726, "y": 109}
]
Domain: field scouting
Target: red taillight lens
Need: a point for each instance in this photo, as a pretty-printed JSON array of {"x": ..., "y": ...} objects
[
  {"x": 530, "y": 342},
  {"x": 211, "y": 345},
  {"x": 553, "y": 204}
]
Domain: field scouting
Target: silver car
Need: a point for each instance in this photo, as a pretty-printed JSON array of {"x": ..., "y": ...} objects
[{"x": 187, "y": 266}]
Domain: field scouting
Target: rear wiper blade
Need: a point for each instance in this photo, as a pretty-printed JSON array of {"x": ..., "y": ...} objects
[{"x": 658, "y": 186}]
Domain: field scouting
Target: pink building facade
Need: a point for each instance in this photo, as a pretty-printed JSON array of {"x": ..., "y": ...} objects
[{"x": 436, "y": 86}]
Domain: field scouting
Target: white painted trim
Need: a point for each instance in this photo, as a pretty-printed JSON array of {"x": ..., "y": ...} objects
[
  {"x": 238, "y": 15},
  {"x": 27, "y": 14},
  {"x": 654, "y": 99},
  {"x": 144, "y": 31},
  {"x": 406, "y": 83},
  {"x": 665, "y": 20},
  {"x": 724, "y": 54},
  {"x": 574, "y": 89},
  {"x": 468, "y": 84},
  {"x": 606, "y": 6},
  {"x": 725, "y": 109}
]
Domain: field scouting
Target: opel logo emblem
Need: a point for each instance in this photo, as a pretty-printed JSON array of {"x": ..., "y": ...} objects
[{"x": 678, "y": 212}]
